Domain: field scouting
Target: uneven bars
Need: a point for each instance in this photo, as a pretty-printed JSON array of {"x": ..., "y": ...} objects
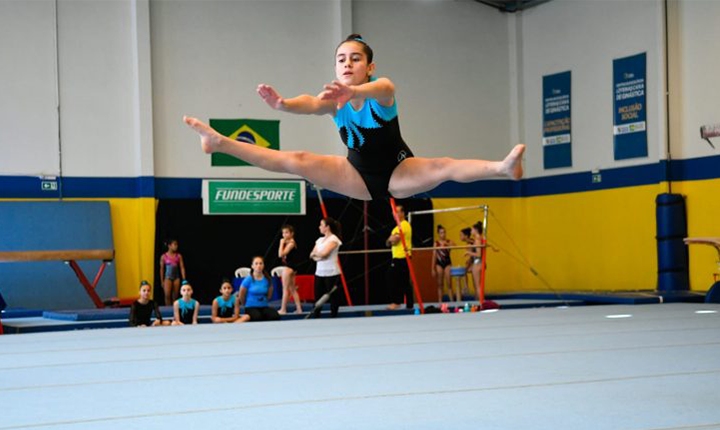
[
  {"x": 427, "y": 248},
  {"x": 432, "y": 211}
]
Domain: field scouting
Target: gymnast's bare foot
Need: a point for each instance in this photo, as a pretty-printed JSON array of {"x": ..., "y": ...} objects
[
  {"x": 209, "y": 138},
  {"x": 512, "y": 164}
]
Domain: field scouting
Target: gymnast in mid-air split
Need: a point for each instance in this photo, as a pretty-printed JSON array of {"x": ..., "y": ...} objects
[{"x": 379, "y": 164}]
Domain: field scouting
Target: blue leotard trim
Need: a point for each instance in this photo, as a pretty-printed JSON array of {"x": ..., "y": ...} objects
[{"x": 357, "y": 121}]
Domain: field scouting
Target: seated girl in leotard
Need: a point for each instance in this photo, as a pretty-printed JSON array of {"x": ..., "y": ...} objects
[
  {"x": 225, "y": 307},
  {"x": 185, "y": 309},
  {"x": 143, "y": 308}
]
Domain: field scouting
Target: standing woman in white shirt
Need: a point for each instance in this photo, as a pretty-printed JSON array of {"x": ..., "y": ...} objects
[{"x": 327, "y": 273}]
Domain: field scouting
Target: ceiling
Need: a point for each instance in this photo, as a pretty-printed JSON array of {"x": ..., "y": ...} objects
[{"x": 512, "y": 6}]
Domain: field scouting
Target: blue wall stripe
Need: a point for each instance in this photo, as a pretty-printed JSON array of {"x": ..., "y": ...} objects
[
  {"x": 143, "y": 186},
  {"x": 24, "y": 187},
  {"x": 190, "y": 188},
  {"x": 695, "y": 169},
  {"x": 178, "y": 188},
  {"x": 582, "y": 181},
  {"x": 29, "y": 187}
]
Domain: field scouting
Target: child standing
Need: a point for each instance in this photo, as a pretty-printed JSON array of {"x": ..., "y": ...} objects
[
  {"x": 441, "y": 264},
  {"x": 255, "y": 292},
  {"x": 466, "y": 238},
  {"x": 172, "y": 271},
  {"x": 142, "y": 309},
  {"x": 287, "y": 253},
  {"x": 225, "y": 308},
  {"x": 185, "y": 309},
  {"x": 476, "y": 255}
]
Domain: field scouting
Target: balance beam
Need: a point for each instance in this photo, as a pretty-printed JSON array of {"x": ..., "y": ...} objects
[
  {"x": 70, "y": 257},
  {"x": 712, "y": 241},
  {"x": 66, "y": 255}
]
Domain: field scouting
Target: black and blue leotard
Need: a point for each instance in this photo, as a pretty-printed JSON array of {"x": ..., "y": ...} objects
[
  {"x": 226, "y": 309},
  {"x": 375, "y": 146},
  {"x": 187, "y": 310}
]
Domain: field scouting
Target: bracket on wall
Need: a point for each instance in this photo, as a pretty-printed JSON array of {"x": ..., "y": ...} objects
[{"x": 512, "y": 6}]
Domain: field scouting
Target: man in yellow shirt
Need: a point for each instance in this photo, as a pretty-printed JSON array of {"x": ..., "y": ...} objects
[{"x": 398, "y": 276}]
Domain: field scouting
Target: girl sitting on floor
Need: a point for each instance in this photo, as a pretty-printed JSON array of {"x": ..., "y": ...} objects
[
  {"x": 225, "y": 308},
  {"x": 142, "y": 309},
  {"x": 185, "y": 309}
]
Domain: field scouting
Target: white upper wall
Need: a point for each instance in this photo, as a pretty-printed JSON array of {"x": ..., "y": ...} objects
[
  {"x": 95, "y": 63},
  {"x": 469, "y": 78},
  {"x": 446, "y": 58},
  {"x": 97, "y": 116},
  {"x": 210, "y": 56},
  {"x": 449, "y": 62},
  {"x": 28, "y": 89},
  {"x": 694, "y": 86},
  {"x": 584, "y": 36}
]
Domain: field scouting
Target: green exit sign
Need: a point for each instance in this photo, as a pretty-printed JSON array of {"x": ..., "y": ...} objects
[{"x": 49, "y": 185}]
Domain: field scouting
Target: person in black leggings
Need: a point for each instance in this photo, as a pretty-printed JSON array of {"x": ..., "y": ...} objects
[
  {"x": 255, "y": 292},
  {"x": 327, "y": 272}
]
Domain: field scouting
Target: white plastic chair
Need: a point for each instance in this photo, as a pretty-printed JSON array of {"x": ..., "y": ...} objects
[
  {"x": 243, "y": 272},
  {"x": 278, "y": 271}
]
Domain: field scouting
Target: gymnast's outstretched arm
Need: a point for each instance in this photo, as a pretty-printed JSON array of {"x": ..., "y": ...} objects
[
  {"x": 381, "y": 89},
  {"x": 302, "y": 104}
]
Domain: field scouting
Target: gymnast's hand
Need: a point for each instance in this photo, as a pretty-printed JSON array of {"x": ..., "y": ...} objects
[
  {"x": 338, "y": 92},
  {"x": 271, "y": 97}
]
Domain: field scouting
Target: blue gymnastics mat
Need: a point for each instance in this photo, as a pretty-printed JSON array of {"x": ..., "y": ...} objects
[
  {"x": 609, "y": 297},
  {"x": 40, "y": 321},
  {"x": 582, "y": 367}
]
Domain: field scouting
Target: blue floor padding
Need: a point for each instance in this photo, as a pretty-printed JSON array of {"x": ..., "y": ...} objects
[
  {"x": 31, "y": 320},
  {"x": 529, "y": 369},
  {"x": 124, "y": 313},
  {"x": 547, "y": 303},
  {"x": 118, "y": 317},
  {"x": 21, "y": 313},
  {"x": 614, "y": 297},
  {"x": 108, "y": 313}
]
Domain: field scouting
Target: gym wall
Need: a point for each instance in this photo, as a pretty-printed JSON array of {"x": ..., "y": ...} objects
[
  {"x": 580, "y": 235},
  {"x": 469, "y": 80}
]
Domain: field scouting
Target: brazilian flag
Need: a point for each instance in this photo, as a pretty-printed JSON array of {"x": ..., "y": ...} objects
[{"x": 261, "y": 132}]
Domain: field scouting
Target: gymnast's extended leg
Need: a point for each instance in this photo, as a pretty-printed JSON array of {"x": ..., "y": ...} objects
[
  {"x": 331, "y": 172},
  {"x": 417, "y": 174}
]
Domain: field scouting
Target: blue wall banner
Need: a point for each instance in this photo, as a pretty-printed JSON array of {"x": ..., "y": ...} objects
[
  {"x": 556, "y": 121},
  {"x": 629, "y": 126}
]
